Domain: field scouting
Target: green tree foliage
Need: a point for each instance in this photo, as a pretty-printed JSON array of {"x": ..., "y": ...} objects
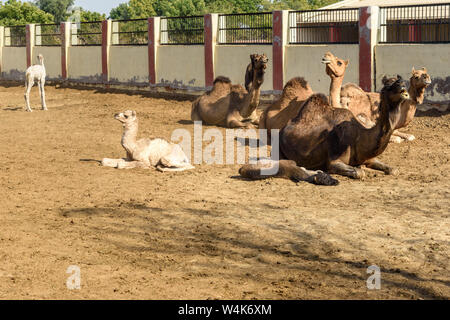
[
  {"x": 134, "y": 9},
  {"x": 13, "y": 13},
  {"x": 270, "y": 5},
  {"x": 58, "y": 8},
  {"x": 174, "y": 8},
  {"x": 171, "y": 8},
  {"x": 88, "y": 16}
]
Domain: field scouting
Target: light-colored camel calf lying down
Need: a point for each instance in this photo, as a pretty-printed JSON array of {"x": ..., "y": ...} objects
[{"x": 146, "y": 153}]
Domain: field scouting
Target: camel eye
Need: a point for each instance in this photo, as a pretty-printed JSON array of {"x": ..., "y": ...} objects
[
  {"x": 339, "y": 63},
  {"x": 126, "y": 117}
]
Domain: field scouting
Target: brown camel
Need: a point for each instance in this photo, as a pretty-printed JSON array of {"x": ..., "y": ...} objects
[
  {"x": 365, "y": 105},
  {"x": 296, "y": 92},
  {"x": 321, "y": 137},
  {"x": 230, "y": 105}
]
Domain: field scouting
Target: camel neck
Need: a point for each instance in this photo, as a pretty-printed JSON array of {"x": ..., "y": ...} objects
[
  {"x": 377, "y": 138},
  {"x": 129, "y": 136},
  {"x": 251, "y": 99},
  {"x": 335, "y": 91},
  {"x": 417, "y": 94}
]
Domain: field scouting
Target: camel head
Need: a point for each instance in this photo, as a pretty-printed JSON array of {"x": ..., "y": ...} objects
[
  {"x": 259, "y": 62},
  {"x": 395, "y": 89},
  {"x": 258, "y": 69},
  {"x": 335, "y": 67},
  {"x": 420, "y": 78},
  {"x": 40, "y": 58},
  {"x": 126, "y": 118}
]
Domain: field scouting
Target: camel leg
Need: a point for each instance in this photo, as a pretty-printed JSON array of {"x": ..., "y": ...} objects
[
  {"x": 113, "y": 163},
  {"x": 376, "y": 164},
  {"x": 195, "y": 116},
  {"x": 132, "y": 165},
  {"x": 28, "y": 86},
  {"x": 42, "y": 95},
  {"x": 254, "y": 119},
  {"x": 338, "y": 167},
  {"x": 175, "y": 161},
  {"x": 405, "y": 136}
]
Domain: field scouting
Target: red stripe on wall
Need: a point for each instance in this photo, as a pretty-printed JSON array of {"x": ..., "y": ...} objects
[
  {"x": 278, "y": 69},
  {"x": 209, "y": 61},
  {"x": 151, "y": 51},
  {"x": 63, "y": 51},
  {"x": 365, "y": 51},
  {"x": 105, "y": 51},
  {"x": 28, "y": 38}
]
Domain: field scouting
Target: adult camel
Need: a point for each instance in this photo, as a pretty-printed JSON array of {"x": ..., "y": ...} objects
[
  {"x": 297, "y": 91},
  {"x": 232, "y": 105},
  {"x": 321, "y": 137}
]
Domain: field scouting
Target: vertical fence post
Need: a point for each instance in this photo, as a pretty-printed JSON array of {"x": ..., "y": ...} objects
[
  {"x": 368, "y": 34},
  {"x": 153, "y": 43},
  {"x": 106, "y": 43},
  {"x": 30, "y": 43},
  {"x": 280, "y": 39},
  {"x": 65, "y": 43},
  {"x": 2, "y": 43},
  {"x": 211, "y": 25}
]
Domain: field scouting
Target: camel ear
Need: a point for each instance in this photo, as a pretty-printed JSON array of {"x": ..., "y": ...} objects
[
  {"x": 384, "y": 80},
  {"x": 346, "y": 62},
  {"x": 413, "y": 70},
  {"x": 133, "y": 113},
  {"x": 424, "y": 70}
]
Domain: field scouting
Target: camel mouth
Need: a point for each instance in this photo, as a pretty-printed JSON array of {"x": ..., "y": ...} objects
[
  {"x": 326, "y": 61},
  {"x": 427, "y": 82},
  {"x": 405, "y": 95}
]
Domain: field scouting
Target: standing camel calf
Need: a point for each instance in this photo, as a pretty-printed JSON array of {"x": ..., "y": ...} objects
[{"x": 35, "y": 73}]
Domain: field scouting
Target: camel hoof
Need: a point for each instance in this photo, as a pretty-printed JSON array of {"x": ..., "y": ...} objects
[
  {"x": 359, "y": 174},
  {"x": 29, "y": 110},
  {"x": 324, "y": 179},
  {"x": 410, "y": 137},
  {"x": 392, "y": 172},
  {"x": 396, "y": 139}
]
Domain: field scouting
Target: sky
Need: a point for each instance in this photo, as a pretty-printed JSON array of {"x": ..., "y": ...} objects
[{"x": 102, "y": 6}]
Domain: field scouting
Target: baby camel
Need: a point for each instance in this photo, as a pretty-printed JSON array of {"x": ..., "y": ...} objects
[
  {"x": 35, "y": 73},
  {"x": 146, "y": 153}
]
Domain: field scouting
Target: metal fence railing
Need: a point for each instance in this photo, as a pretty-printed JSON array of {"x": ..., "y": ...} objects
[
  {"x": 15, "y": 36},
  {"x": 245, "y": 28},
  {"x": 415, "y": 24},
  {"x": 129, "y": 32},
  {"x": 182, "y": 30},
  {"x": 86, "y": 34},
  {"x": 47, "y": 35},
  {"x": 339, "y": 26}
]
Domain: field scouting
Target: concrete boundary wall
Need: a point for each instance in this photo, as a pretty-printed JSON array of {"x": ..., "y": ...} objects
[
  {"x": 232, "y": 62},
  {"x": 14, "y": 63},
  {"x": 192, "y": 68},
  {"x": 306, "y": 62},
  {"x": 400, "y": 59},
  {"x": 52, "y": 62},
  {"x": 181, "y": 67},
  {"x": 128, "y": 64},
  {"x": 85, "y": 64}
]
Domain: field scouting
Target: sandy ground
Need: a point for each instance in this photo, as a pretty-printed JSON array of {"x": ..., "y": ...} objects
[{"x": 203, "y": 234}]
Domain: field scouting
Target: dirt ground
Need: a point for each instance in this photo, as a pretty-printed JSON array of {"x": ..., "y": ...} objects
[{"x": 203, "y": 234}]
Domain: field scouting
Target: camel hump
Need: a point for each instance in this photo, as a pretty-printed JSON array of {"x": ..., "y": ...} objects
[
  {"x": 351, "y": 90},
  {"x": 297, "y": 82},
  {"x": 318, "y": 98},
  {"x": 222, "y": 79}
]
